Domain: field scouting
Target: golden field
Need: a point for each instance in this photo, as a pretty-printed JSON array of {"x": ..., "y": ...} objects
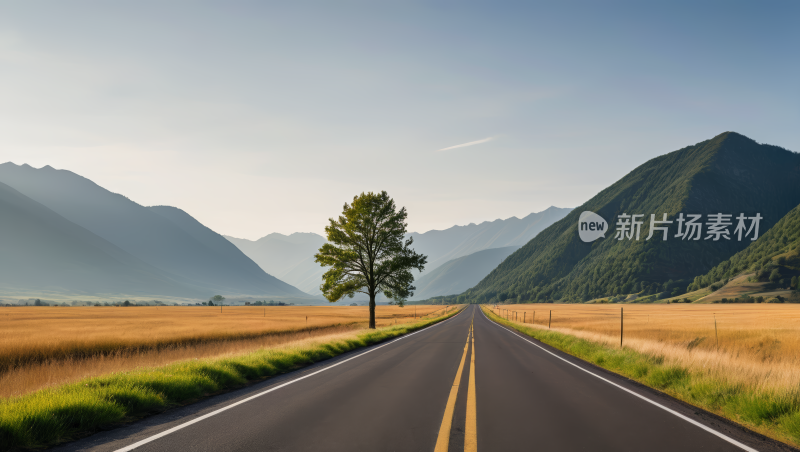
[
  {"x": 43, "y": 346},
  {"x": 753, "y": 344}
]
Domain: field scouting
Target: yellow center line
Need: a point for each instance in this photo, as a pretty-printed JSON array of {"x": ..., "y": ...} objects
[
  {"x": 443, "y": 441},
  {"x": 471, "y": 428}
]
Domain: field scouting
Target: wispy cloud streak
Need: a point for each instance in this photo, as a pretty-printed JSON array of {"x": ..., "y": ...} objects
[{"x": 463, "y": 145}]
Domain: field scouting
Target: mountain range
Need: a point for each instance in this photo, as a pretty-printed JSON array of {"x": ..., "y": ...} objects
[
  {"x": 63, "y": 234},
  {"x": 444, "y": 245},
  {"x": 457, "y": 275},
  {"x": 45, "y": 254},
  {"x": 287, "y": 257},
  {"x": 163, "y": 248},
  {"x": 729, "y": 174},
  {"x": 291, "y": 257}
]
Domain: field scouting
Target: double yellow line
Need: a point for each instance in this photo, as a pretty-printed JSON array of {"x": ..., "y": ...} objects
[{"x": 471, "y": 427}]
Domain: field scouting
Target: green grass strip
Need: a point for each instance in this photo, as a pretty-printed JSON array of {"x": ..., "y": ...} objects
[
  {"x": 774, "y": 414},
  {"x": 61, "y": 413}
]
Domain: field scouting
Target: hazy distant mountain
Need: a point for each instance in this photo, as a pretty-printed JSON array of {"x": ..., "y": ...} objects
[
  {"x": 458, "y": 275},
  {"x": 287, "y": 257},
  {"x": 44, "y": 253},
  {"x": 445, "y": 245},
  {"x": 291, "y": 258},
  {"x": 729, "y": 174},
  {"x": 163, "y": 237}
]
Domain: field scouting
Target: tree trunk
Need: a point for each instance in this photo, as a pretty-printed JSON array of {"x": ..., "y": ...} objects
[{"x": 372, "y": 311}]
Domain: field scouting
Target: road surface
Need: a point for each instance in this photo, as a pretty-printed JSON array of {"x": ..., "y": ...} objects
[{"x": 435, "y": 390}]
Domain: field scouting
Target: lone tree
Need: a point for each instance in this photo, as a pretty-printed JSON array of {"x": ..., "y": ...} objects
[
  {"x": 367, "y": 254},
  {"x": 216, "y": 300}
]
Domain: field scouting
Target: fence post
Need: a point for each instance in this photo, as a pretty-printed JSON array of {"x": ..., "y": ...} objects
[
  {"x": 621, "y": 327},
  {"x": 550, "y": 322},
  {"x": 533, "y": 321},
  {"x": 524, "y": 314},
  {"x": 716, "y": 335}
]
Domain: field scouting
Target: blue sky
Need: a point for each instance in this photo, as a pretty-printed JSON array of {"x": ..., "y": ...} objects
[{"x": 259, "y": 118}]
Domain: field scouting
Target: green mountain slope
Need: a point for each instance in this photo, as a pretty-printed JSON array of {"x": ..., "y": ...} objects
[
  {"x": 458, "y": 275},
  {"x": 774, "y": 257},
  {"x": 729, "y": 174}
]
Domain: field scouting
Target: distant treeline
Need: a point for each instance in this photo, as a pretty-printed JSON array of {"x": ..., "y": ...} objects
[
  {"x": 795, "y": 298},
  {"x": 126, "y": 303},
  {"x": 644, "y": 289},
  {"x": 268, "y": 303},
  {"x": 39, "y": 302}
]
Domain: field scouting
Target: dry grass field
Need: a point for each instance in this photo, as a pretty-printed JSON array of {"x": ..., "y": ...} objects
[
  {"x": 44, "y": 346},
  {"x": 66, "y": 411},
  {"x": 753, "y": 344}
]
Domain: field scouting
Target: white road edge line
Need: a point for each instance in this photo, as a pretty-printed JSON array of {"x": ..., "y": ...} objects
[
  {"x": 226, "y": 408},
  {"x": 671, "y": 411}
]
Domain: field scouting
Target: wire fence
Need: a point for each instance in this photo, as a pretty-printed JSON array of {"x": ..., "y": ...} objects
[{"x": 760, "y": 330}]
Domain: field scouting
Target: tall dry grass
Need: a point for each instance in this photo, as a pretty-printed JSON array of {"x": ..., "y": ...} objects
[
  {"x": 46, "y": 346},
  {"x": 756, "y": 345}
]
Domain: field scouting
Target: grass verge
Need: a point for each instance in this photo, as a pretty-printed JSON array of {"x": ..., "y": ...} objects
[
  {"x": 772, "y": 413},
  {"x": 61, "y": 413}
]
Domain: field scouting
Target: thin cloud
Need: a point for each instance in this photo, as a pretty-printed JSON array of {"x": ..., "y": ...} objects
[{"x": 463, "y": 145}]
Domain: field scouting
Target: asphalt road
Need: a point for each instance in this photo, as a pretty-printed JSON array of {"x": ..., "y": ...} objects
[{"x": 522, "y": 396}]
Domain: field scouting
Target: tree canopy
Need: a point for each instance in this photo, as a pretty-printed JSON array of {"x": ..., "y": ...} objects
[{"x": 367, "y": 253}]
